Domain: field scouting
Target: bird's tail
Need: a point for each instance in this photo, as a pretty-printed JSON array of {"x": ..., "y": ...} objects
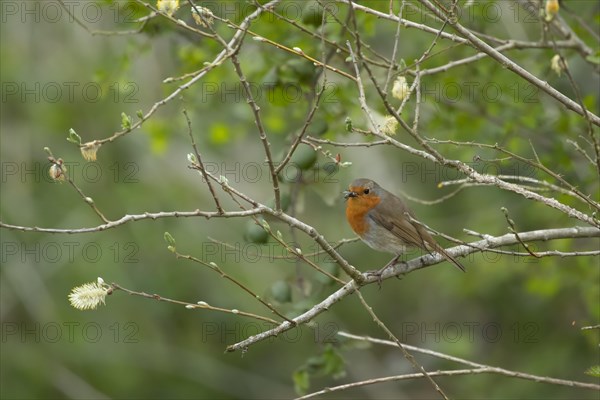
[
  {"x": 430, "y": 244},
  {"x": 448, "y": 257}
]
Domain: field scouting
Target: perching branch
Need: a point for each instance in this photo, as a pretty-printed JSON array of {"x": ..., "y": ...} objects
[{"x": 415, "y": 264}]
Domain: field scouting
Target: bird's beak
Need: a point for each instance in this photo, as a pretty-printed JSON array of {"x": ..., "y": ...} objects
[{"x": 349, "y": 193}]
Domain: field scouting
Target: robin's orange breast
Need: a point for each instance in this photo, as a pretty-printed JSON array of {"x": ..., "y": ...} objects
[{"x": 356, "y": 212}]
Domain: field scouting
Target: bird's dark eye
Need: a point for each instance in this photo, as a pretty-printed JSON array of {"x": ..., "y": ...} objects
[{"x": 366, "y": 191}]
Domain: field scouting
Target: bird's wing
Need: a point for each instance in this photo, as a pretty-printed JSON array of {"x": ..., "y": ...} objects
[
  {"x": 403, "y": 228},
  {"x": 413, "y": 234}
]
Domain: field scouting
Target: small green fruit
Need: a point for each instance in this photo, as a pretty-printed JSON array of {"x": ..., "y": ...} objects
[
  {"x": 281, "y": 292},
  {"x": 318, "y": 127},
  {"x": 312, "y": 14},
  {"x": 255, "y": 233},
  {"x": 285, "y": 201},
  {"x": 332, "y": 268},
  {"x": 304, "y": 157}
]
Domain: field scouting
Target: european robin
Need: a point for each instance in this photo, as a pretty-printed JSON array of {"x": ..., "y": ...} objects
[{"x": 380, "y": 219}]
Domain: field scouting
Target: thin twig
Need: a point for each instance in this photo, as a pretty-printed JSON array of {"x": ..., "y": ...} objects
[
  {"x": 537, "y": 165},
  {"x": 213, "y": 266},
  {"x": 513, "y": 229},
  {"x": 405, "y": 353},
  {"x": 88, "y": 200},
  {"x": 394, "y": 48},
  {"x": 575, "y": 87},
  {"x": 300, "y": 136},
  {"x": 137, "y": 217},
  {"x": 394, "y": 378},
  {"x": 200, "y": 165},
  {"x": 200, "y": 304},
  {"x": 512, "y": 66},
  {"x": 94, "y": 32},
  {"x": 262, "y": 134},
  {"x": 226, "y": 53}
]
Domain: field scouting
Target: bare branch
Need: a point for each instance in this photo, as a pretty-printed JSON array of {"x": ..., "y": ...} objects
[
  {"x": 201, "y": 165},
  {"x": 213, "y": 266},
  {"x": 388, "y": 379},
  {"x": 406, "y": 354},
  {"x": 514, "y": 67},
  {"x": 226, "y": 53},
  {"x": 192, "y": 306},
  {"x": 261, "y": 129},
  {"x": 300, "y": 136},
  {"x": 412, "y": 265},
  {"x": 138, "y": 217},
  {"x": 480, "y": 368},
  {"x": 58, "y": 163},
  {"x": 513, "y": 229}
]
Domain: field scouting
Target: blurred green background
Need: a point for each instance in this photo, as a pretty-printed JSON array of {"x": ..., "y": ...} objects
[{"x": 518, "y": 313}]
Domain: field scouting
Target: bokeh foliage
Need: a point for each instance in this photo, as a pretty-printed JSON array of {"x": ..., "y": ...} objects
[{"x": 524, "y": 313}]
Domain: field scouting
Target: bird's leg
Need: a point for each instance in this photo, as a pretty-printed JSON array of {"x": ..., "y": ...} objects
[
  {"x": 392, "y": 262},
  {"x": 378, "y": 273}
]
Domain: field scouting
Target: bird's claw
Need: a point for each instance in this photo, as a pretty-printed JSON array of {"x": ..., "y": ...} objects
[
  {"x": 401, "y": 276},
  {"x": 378, "y": 273}
]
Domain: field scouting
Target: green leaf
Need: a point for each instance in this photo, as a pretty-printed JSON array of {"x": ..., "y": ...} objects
[
  {"x": 593, "y": 371},
  {"x": 328, "y": 363},
  {"x": 348, "y": 123},
  {"x": 169, "y": 239},
  {"x": 334, "y": 363},
  {"x": 301, "y": 381},
  {"x": 297, "y": 70},
  {"x": 590, "y": 102},
  {"x": 594, "y": 58},
  {"x": 271, "y": 78},
  {"x": 220, "y": 134},
  {"x": 74, "y": 137},
  {"x": 315, "y": 365},
  {"x": 159, "y": 131},
  {"x": 125, "y": 121}
]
